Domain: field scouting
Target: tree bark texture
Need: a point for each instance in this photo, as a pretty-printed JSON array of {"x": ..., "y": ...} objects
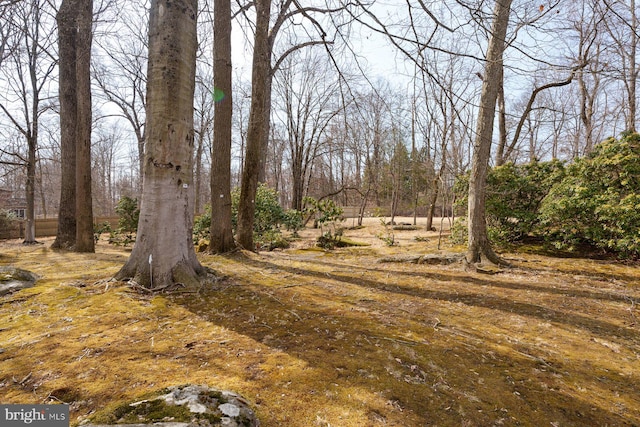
[
  {"x": 479, "y": 247},
  {"x": 221, "y": 227},
  {"x": 30, "y": 225},
  {"x": 164, "y": 253},
  {"x": 66, "y": 21},
  {"x": 633, "y": 70},
  {"x": 258, "y": 128},
  {"x": 84, "y": 211}
]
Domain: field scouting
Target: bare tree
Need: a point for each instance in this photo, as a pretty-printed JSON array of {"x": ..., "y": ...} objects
[
  {"x": 164, "y": 254},
  {"x": 505, "y": 153},
  {"x": 479, "y": 247},
  {"x": 623, "y": 29},
  {"x": 121, "y": 75},
  {"x": 27, "y": 74},
  {"x": 203, "y": 126},
  {"x": 307, "y": 90},
  {"x": 68, "y": 99},
  {"x": 108, "y": 141},
  {"x": 75, "y": 217},
  {"x": 221, "y": 228},
  {"x": 262, "y": 78},
  {"x": 84, "y": 201},
  {"x": 258, "y": 128}
]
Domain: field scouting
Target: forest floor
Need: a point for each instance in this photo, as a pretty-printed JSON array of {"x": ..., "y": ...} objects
[{"x": 336, "y": 338}]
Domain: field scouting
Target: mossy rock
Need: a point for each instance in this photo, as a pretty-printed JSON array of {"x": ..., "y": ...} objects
[
  {"x": 432, "y": 259},
  {"x": 405, "y": 227},
  {"x": 181, "y": 406},
  {"x": 13, "y": 279}
]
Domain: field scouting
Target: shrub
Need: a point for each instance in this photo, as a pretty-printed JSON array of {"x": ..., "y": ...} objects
[
  {"x": 202, "y": 226},
  {"x": 598, "y": 203},
  {"x": 326, "y": 212},
  {"x": 128, "y": 215},
  {"x": 514, "y": 196},
  {"x": 6, "y": 221},
  {"x": 269, "y": 216},
  {"x": 293, "y": 220},
  {"x": 101, "y": 228},
  {"x": 459, "y": 232}
]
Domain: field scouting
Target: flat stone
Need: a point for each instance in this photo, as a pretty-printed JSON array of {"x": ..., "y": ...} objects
[
  {"x": 440, "y": 259},
  {"x": 432, "y": 259}
]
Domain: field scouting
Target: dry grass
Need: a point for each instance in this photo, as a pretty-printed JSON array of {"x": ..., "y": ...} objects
[{"x": 316, "y": 338}]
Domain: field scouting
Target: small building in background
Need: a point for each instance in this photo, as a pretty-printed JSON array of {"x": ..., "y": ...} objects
[{"x": 15, "y": 205}]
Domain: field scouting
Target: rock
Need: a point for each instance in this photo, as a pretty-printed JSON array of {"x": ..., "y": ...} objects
[
  {"x": 186, "y": 406},
  {"x": 432, "y": 259},
  {"x": 441, "y": 259},
  {"x": 412, "y": 259},
  {"x": 13, "y": 279},
  {"x": 488, "y": 269},
  {"x": 405, "y": 227}
]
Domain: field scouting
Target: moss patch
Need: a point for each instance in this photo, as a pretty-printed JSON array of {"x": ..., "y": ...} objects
[
  {"x": 315, "y": 338},
  {"x": 152, "y": 410}
]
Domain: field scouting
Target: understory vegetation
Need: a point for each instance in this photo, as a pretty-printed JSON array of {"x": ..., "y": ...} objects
[
  {"x": 591, "y": 205},
  {"x": 335, "y": 338}
]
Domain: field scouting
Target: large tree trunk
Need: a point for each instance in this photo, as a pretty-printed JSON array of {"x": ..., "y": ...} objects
[
  {"x": 479, "y": 248},
  {"x": 221, "y": 226},
  {"x": 163, "y": 254},
  {"x": 84, "y": 211},
  {"x": 258, "y": 129},
  {"x": 66, "y": 20}
]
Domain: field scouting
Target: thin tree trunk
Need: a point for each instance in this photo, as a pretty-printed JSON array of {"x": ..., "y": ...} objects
[
  {"x": 30, "y": 223},
  {"x": 479, "y": 247},
  {"x": 258, "y": 129},
  {"x": 633, "y": 71},
  {"x": 221, "y": 226},
  {"x": 502, "y": 123},
  {"x": 198, "y": 173}
]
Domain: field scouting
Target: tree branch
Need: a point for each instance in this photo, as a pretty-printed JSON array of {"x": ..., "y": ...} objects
[{"x": 529, "y": 106}]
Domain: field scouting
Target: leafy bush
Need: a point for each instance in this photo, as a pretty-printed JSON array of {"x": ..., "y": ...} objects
[
  {"x": 293, "y": 220},
  {"x": 514, "y": 196},
  {"x": 269, "y": 214},
  {"x": 388, "y": 237},
  {"x": 202, "y": 226},
  {"x": 6, "y": 220},
  {"x": 326, "y": 212},
  {"x": 269, "y": 217},
  {"x": 101, "y": 228},
  {"x": 459, "y": 232},
  {"x": 6, "y": 217},
  {"x": 598, "y": 203},
  {"x": 128, "y": 215}
]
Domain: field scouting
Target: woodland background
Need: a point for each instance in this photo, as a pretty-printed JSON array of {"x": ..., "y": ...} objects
[{"x": 393, "y": 140}]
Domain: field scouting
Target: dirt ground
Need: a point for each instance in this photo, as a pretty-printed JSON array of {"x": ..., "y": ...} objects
[{"x": 336, "y": 338}]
